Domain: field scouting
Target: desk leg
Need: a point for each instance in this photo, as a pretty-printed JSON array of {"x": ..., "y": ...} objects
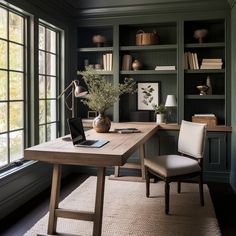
[
  {"x": 142, "y": 156},
  {"x": 97, "y": 227},
  {"x": 55, "y": 191}
]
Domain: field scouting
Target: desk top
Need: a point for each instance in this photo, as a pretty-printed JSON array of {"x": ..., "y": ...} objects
[{"x": 114, "y": 153}]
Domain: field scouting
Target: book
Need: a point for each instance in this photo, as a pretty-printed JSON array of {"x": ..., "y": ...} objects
[
  {"x": 127, "y": 130},
  {"x": 165, "y": 68}
]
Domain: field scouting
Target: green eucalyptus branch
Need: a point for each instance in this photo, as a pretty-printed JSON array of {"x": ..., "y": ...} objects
[{"x": 102, "y": 94}]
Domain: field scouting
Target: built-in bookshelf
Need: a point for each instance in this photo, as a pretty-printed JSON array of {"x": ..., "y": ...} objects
[
  {"x": 160, "y": 63},
  {"x": 210, "y": 56}
]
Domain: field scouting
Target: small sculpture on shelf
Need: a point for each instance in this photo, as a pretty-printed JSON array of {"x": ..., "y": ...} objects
[
  {"x": 136, "y": 65},
  {"x": 203, "y": 89},
  {"x": 200, "y": 34},
  {"x": 99, "y": 40},
  {"x": 208, "y": 83}
]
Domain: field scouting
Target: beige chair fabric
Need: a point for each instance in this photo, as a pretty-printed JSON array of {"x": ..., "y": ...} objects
[
  {"x": 172, "y": 165},
  {"x": 191, "y": 139}
]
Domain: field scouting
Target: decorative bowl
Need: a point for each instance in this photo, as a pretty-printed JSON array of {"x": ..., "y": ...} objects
[
  {"x": 99, "y": 40},
  {"x": 202, "y": 89},
  {"x": 200, "y": 34}
]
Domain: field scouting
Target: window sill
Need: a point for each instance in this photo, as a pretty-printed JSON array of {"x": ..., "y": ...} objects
[{"x": 4, "y": 173}]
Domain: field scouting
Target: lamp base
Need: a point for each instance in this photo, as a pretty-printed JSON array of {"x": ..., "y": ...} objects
[{"x": 67, "y": 139}]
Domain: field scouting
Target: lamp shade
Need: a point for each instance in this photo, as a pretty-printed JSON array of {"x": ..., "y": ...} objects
[
  {"x": 79, "y": 91},
  {"x": 171, "y": 101}
]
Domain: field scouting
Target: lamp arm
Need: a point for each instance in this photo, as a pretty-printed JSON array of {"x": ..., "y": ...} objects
[{"x": 66, "y": 89}]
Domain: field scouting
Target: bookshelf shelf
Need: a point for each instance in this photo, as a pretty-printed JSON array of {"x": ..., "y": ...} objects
[
  {"x": 205, "y": 71},
  {"x": 205, "y": 97},
  {"x": 149, "y": 47},
  {"x": 95, "y": 49},
  {"x": 204, "y": 45},
  {"x": 148, "y": 72}
]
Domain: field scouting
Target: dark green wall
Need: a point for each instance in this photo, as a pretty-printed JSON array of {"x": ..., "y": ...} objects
[{"x": 233, "y": 110}]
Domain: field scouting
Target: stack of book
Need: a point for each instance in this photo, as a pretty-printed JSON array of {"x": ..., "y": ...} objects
[
  {"x": 211, "y": 63},
  {"x": 165, "y": 68},
  {"x": 107, "y": 61},
  {"x": 191, "y": 61}
]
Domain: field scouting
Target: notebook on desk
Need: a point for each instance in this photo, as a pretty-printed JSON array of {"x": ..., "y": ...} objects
[{"x": 78, "y": 135}]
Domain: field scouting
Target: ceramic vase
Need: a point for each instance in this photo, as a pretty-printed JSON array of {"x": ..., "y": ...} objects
[
  {"x": 160, "y": 118},
  {"x": 101, "y": 123},
  {"x": 136, "y": 65}
]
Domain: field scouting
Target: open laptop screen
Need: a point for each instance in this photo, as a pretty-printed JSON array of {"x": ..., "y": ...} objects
[{"x": 76, "y": 130}]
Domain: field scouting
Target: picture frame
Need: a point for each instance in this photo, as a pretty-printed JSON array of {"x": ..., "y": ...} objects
[
  {"x": 147, "y": 94},
  {"x": 92, "y": 114}
]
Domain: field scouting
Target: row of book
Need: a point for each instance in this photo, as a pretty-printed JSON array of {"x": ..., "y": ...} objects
[
  {"x": 191, "y": 62},
  {"x": 107, "y": 62}
]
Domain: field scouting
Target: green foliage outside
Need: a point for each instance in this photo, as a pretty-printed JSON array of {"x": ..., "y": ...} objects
[{"x": 11, "y": 103}]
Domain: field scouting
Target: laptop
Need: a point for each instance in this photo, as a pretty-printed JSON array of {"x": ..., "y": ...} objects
[{"x": 78, "y": 136}]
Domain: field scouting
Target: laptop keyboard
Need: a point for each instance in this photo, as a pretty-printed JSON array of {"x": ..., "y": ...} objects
[{"x": 89, "y": 142}]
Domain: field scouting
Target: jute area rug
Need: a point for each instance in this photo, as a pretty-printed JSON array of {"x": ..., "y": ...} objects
[{"x": 128, "y": 212}]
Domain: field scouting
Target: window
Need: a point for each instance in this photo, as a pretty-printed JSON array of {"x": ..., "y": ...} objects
[
  {"x": 48, "y": 80},
  {"x": 12, "y": 85}
]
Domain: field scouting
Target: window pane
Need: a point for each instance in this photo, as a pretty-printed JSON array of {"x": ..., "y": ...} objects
[
  {"x": 41, "y": 37},
  {"x": 3, "y": 54},
  {"x": 51, "y": 131},
  {"x": 16, "y": 115},
  {"x": 51, "y": 110},
  {"x": 15, "y": 28},
  {"x": 51, "y": 87},
  {"x": 42, "y": 87},
  {"x": 16, "y": 57},
  {"x": 51, "y": 64},
  {"x": 3, "y": 149},
  {"x": 3, "y": 117},
  {"x": 41, "y": 62},
  {"x": 51, "y": 41},
  {"x": 3, "y": 23},
  {"x": 42, "y": 112},
  {"x": 16, "y": 86},
  {"x": 16, "y": 145},
  {"x": 42, "y": 133},
  {"x": 3, "y": 85}
]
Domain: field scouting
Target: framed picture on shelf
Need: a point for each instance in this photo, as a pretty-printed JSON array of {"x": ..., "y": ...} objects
[
  {"x": 92, "y": 114},
  {"x": 148, "y": 93}
]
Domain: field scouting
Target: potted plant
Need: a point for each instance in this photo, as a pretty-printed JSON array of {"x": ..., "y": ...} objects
[
  {"x": 160, "y": 112},
  {"x": 102, "y": 94}
]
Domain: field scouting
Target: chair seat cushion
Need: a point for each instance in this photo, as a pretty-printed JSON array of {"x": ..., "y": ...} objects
[{"x": 172, "y": 165}]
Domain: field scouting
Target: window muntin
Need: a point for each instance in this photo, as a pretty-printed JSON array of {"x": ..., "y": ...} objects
[
  {"x": 48, "y": 80},
  {"x": 12, "y": 80}
]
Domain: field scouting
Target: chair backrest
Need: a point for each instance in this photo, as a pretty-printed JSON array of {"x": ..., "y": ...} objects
[{"x": 192, "y": 139}]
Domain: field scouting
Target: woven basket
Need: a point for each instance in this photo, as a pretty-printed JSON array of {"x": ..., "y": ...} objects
[{"x": 143, "y": 38}]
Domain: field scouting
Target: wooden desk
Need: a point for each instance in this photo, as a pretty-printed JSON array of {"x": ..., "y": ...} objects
[{"x": 115, "y": 153}]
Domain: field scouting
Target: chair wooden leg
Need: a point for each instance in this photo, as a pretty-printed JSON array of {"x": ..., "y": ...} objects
[
  {"x": 201, "y": 190},
  {"x": 179, "y": 187},
  {"x": 167, "y": 197},
  {"x": 147, "y": 175}
]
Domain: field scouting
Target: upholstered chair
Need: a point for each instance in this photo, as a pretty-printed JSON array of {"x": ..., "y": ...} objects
[{"x": 188, "y": 164}]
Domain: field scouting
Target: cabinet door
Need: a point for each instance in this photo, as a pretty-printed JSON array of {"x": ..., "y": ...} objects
[
  {"x": 164, "y": 142},
  {"x": 215, "y": 158}
]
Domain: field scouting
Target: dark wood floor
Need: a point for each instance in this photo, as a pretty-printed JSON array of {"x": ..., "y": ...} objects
[{"x": 18, "y": 223}]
